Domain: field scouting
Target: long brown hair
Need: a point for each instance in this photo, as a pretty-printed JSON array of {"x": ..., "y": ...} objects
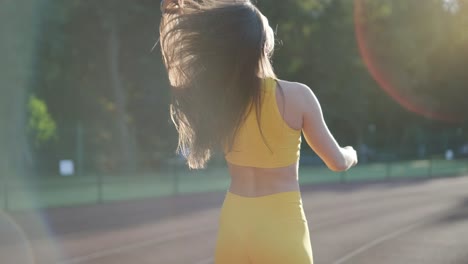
[{"x": 216, "y": 53}]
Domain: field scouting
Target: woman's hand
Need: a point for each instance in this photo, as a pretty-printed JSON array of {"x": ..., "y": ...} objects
[{"x": 351, "y": 156}]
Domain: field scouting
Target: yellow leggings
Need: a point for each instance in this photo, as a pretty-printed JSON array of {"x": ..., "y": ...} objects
[{"x": 269, "y": 229}]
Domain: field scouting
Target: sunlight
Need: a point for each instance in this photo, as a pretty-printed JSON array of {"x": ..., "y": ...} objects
[
  {"x": 414, "y": 72},
  {"x": 451, "y": 6}
]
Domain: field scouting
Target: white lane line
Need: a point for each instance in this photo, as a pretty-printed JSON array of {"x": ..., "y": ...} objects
[
  {"x": 376, "y": 242},
  {"x": 206, "y": 261},
  {"x": 133, "y": 246}
]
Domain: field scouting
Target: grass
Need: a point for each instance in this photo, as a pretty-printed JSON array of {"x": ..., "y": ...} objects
[{"x": 89, "y": 189}]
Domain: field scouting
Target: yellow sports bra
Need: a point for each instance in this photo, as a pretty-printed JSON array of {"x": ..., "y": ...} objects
[{"x": 280, "y": 144}]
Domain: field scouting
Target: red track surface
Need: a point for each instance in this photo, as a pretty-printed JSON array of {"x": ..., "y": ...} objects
[{"x": 401, "y": 222}]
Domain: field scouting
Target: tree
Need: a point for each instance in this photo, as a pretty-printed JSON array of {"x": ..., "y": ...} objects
[
  {"x": 17, "y": 73},
  {"x": 98, "y": 70}
]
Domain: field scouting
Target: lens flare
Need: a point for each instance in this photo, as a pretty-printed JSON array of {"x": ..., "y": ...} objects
[
  {"x": 26, "y": 233},
  {"x": 418, "y": 100},
  {"x": 14, "y": 245}
]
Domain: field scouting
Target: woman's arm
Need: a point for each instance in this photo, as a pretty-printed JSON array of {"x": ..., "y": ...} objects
[{"x": 319, "y": 137}]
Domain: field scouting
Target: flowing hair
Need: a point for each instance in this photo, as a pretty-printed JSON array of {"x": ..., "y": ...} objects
[{"x": 216, "y": 53}]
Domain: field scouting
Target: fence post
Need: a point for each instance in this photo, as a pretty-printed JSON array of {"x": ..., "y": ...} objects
[
  {"x": 99, "y": 188},
  {"x": 79, "y": 148},
  {"x": 5, "y": 192},
  {"x": 343, "y": 177},
  {"x": 430, "y": 167},
  {"x": 466, "y": 166},
  {"x": 388, "y": 170},
  {"x": 175, "y": 189}
]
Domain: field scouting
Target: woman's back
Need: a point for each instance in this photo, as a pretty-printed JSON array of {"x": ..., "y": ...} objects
[
  {"x": 263, "y": 139},
  {"x": 267, "y": 162},
  {"x": 300, "y": 111}
]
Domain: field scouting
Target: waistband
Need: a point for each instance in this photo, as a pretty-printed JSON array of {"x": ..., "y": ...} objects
[
  {"x": 263, "y": 209},
  {"x": 293, "y": 196}
]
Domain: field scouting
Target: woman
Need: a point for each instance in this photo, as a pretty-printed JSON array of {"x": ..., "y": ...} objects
[{"x": 226, "y": 97}]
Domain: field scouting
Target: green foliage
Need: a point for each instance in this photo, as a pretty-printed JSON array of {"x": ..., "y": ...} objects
[
  {"x": 40, "y": 123},
  {"x": 316, "y": 46}
]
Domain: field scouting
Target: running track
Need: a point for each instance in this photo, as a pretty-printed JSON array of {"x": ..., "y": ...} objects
[{"x": 424, "y": 221}]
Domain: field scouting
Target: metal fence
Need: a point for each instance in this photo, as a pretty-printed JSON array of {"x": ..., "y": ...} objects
[{"x": 20, "y": 193}]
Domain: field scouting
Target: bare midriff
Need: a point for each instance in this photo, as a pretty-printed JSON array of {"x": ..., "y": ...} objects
[{"x": 255, "y": 182}]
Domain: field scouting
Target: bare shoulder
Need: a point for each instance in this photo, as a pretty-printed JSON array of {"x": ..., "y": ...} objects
[
  {"x": 293, "y": 85},
  {"x": 298, "y": 92}
]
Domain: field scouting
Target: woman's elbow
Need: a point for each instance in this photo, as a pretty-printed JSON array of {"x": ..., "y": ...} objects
[{"x": 338, "y": 166}]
